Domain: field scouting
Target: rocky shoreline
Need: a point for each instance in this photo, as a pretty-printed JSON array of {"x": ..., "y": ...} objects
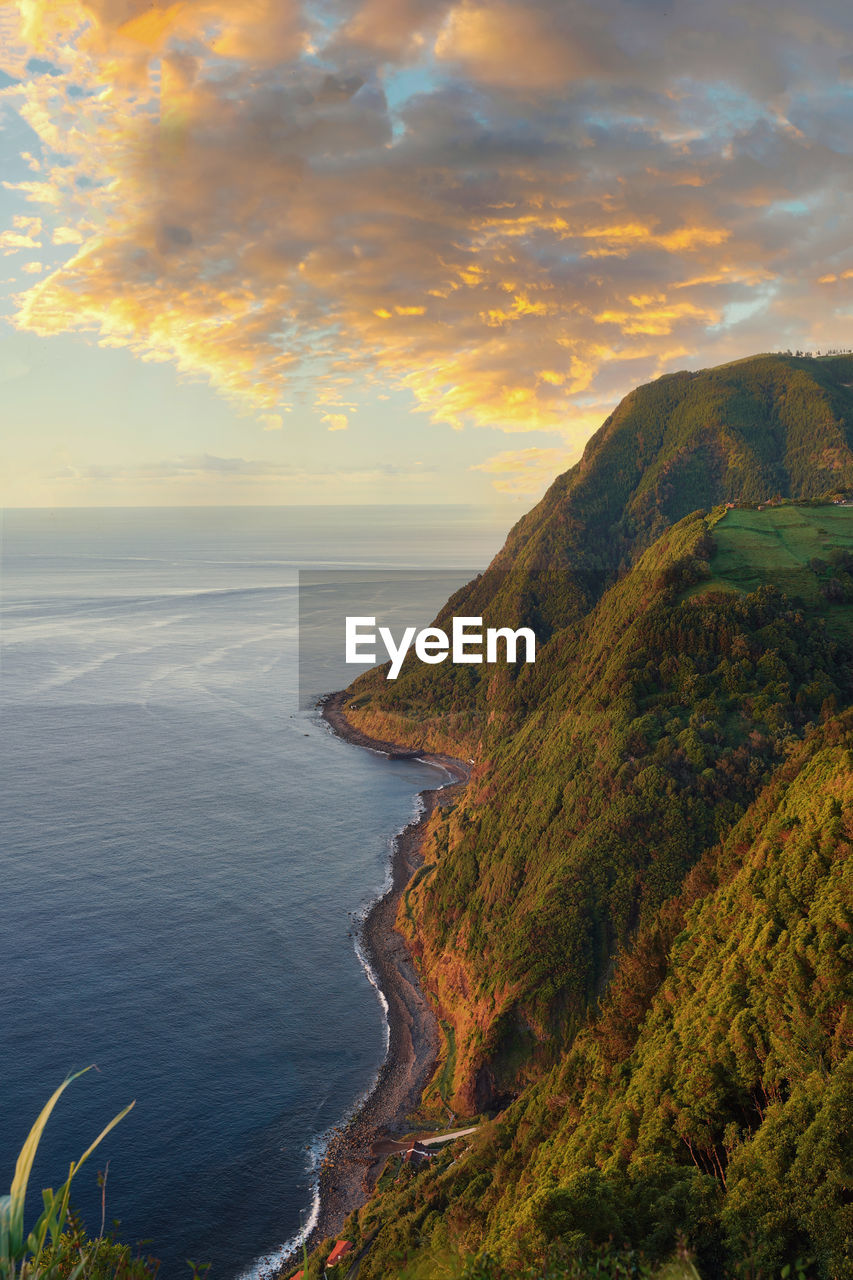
[{"x": 351, "y": 1166}]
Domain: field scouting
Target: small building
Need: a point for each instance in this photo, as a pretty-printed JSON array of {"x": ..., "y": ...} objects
[
  {"x": 416, "y": 1154},
  {"x": 340, "y": 1251}
]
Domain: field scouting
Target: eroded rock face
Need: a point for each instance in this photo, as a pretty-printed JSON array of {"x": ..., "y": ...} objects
[{"x": 593, "y": 794}]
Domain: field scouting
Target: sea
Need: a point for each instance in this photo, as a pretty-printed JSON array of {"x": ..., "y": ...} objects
[{"x": 186, "y": 852}]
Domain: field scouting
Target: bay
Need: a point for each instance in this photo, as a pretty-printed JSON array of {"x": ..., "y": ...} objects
[{"x": 183, "y": 853}]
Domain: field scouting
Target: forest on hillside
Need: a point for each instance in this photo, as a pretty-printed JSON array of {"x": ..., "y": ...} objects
[{"x": 636, "y": 923}]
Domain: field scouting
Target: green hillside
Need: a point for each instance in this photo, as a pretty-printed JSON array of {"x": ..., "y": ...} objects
[
  {"x": 807, "y": 551},
  {"x": 650, "y": 727},
  {"x": 636, "y": 923},
  {"x": 779, "y": 540},
  {"x": 771, "y": 426},
  {"x": 712, "y": 1093}
]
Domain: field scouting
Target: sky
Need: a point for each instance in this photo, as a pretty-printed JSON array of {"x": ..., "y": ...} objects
[{"x": 353, "y": 251}]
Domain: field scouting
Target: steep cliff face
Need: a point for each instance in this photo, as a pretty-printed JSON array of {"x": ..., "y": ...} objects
[
  {"x": 744, "y": 432},
  {"x": 653, "y": 715},
  {"x": 636, "y": 921},
  {"x": 710, "y": 1095},
  {"x": 656, "y": 723}
]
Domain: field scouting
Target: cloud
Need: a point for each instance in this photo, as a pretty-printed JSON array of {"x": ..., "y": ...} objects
[
  {"x": 23, "y": 234},
  {"x": 336, "y": 421},
  {"x": 194, "y": 465},
  {"x": 519, "y": 46},
  {"x": 272, "y": 421},
  {"x": 523, "y": 472},
  {"x": 207, "y": 466},
  {"x": 514, "y": 209},
  {"x": 127, "y": 33}
]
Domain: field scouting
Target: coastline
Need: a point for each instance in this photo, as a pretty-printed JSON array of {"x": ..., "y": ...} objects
[{"x": 351, "y": 1166}]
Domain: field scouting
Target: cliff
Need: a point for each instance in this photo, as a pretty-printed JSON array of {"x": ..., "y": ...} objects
[{"x": 634, "y": 924}]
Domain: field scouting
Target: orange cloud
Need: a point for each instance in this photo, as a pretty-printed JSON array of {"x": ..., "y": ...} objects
[
  {"x": 514, "y": 45},
  {"x": 23, "y": 234},
  {"x": 261, "y": 30},
  {"x": 655, "y": 317},
  {"x": 235, "y": 195},
  {"x": 524, "y": 472}
]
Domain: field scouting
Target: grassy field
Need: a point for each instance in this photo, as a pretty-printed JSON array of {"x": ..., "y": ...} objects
[{"x": 795, "y": 548}]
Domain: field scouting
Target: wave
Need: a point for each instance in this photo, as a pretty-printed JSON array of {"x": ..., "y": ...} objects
[
  {"x": 373, "y": 979},
  {"x": 418, "y": 810},
  {"x": 268, "y": 1265},
  {"x": 63, "y": 605}
]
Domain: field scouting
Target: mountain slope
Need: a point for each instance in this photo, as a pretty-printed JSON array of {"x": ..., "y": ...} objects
[
  {"x": 713, "y": 1092},
  {"x": 744, "y": 432},
  {"x": 656, "y": 721},
  {"x": 636, "y": 922}
]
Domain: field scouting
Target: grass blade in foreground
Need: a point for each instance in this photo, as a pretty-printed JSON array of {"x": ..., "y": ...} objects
[{"x": 13, "y": 1244}]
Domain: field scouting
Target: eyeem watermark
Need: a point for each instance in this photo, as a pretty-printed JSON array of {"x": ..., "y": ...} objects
[
  {"x": 432, "y": 645},
  {"x": 342, "y": 613}
]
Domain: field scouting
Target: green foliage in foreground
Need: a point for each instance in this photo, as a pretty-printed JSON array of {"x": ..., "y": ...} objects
[
  {"x": 609, "y": 1263},
  {"x": 74, "y": 1253},
  {"x": 56, "y": 1248}
]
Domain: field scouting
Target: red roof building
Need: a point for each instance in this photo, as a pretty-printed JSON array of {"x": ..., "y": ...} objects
[{"x": 340, "y": 1251}]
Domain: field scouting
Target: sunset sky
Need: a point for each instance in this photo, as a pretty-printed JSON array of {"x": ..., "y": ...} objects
[{"x": 397, "y": 250}]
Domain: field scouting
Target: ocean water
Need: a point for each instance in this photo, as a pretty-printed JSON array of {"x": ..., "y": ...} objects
[{"x": 183, "y": 855}]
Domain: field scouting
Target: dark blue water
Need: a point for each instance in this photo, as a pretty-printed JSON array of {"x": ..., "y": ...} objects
[{"x": 182, "y": 851}]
